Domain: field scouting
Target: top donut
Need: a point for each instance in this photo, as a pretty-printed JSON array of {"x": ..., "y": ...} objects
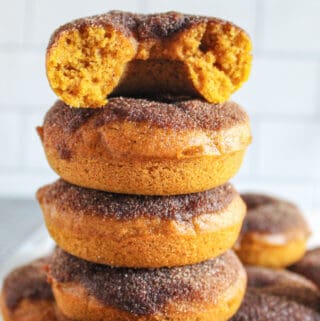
[{"x": 121, "y": 53}]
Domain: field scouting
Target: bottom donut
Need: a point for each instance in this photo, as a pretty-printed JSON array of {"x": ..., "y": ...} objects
[
  {"x": 272, "y": 295},
  {"x": 84, "y": 291}
]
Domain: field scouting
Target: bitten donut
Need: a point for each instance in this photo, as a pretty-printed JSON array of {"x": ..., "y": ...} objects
[
  {"x": 127, "y": 54},
  {"x": 211, "y": 290},
  {"x": 142, "y": 231},
  {"x": 150, "y": 147},
  {"x": 309, "y": 266},
  {"x": 26, "y": 294},
  {"x": 274, "y": 232}
]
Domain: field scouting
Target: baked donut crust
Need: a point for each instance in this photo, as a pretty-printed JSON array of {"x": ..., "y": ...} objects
[
  {"x": 26, "y": 295},
  {"x": 159, "y": 146},
  {"x": 274, "y": 232},
  {"x": 127, "y": 54},
  {"x": 309, "y": 266},
  {"x": 142, "y": 231},
  {"x": 87, "y": 291}
]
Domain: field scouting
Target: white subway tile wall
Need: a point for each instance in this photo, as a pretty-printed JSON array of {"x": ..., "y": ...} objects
[
  {"x": 23, "y": 85},
  {"x": 10, "y": 139},
  {"x": 12, "y": 21},
  {"x": 280, "y": 86},
  {"x": 282, "y": 96},
  {"x": 295, "y": 21}
]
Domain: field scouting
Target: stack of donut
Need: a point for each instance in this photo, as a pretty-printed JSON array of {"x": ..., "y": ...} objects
[{"x": 145, "y": 140}]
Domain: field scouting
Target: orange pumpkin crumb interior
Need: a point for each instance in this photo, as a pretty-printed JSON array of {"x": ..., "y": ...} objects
[{"x": 209, "y": 59}]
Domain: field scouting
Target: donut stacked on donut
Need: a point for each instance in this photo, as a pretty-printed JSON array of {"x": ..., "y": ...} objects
[
  {"x": 142, "y": 231},
  {"x": 149, "y": 146},
  {"x": 120, "y": 53},
  {"x": 157, "y": 151},
  {"x": 145, "y": 142}
]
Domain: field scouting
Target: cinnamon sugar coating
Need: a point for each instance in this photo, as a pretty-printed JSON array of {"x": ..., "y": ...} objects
[
  {"x": 125, "y": 207},
  {"x": 143, "y": 27},
  {"x": 286, "y": 284},
  {"x": 309, "y": 266},
  {"x": 146, "y": 291},
  {"x": 27, "y": 282},
  {"x": 259, "y": 306},
  {"x": 271, "y": 215},
  {"x": 176, "y": 113}
]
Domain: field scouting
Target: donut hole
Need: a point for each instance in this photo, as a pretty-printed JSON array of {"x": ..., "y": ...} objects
[{"x": 155, "y": 77}]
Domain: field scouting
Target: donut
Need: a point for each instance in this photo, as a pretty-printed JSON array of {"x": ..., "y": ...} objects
[
  {"x": 26, "y": 295},
  {"x": 274, "y": 232},
  {"x": 259, "y": 306},
  {"x": 211, "y": 290},
  {"x": 286, "y": 284},
  {"x": 142, "y": 231},
  {"x": 278, "y": 295},
  {"x": 120, "y": 53},
  {"x": 150, "y": 147},
  {"x": 309, "y": 266}
]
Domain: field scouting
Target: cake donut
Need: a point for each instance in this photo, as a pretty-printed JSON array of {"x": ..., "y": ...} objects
[
  {"x": 120, "y": 53},
  {"x": 285, "y": 284},
  {"x": 309, "y": 266},
  {"x": 274, "y": 232},
  {"x": 211, "y": 290},
  {"x": 278, "y": 295},
  {"x": 154, "y": 146},
  {"x": 142, "y": 231},
  {"x": 260, "y": 306},
  {"x": 26, "y": 294}
]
